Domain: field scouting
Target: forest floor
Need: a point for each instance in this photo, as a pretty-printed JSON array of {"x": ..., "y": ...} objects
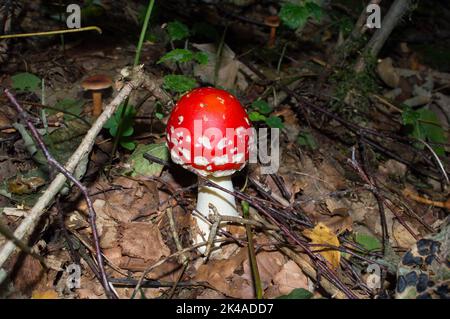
[{"x": 362, "y": 175}]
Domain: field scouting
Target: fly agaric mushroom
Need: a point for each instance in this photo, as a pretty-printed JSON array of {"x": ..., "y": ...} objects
[
  {"x": 209, "y": 132},
  {"x": 273, "y": 22},
  {"x": 96, "y": 84}
]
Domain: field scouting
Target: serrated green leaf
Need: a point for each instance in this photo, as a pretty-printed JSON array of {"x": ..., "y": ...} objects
[
  {"x": 178, "y": 55},
  {"x": 25, "y": 82},
  {"x": 262, "y": 106},
  {"x": 179, "y": 83},
  {"x": 201, "y": 57},
  {"x": 298, "y": 293},
  {"x": 367, "y": 242},
  {"x": 177, "y": 30},
  {"x": 141, "y": 166},
  {"x": 293, "y": 16},
  {"x": 274, "y": 122},
  {"x": 256, "y": 116}
]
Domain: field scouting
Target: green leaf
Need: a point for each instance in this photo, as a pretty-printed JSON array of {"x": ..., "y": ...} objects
[
  {"x": 201, "y": 57},
  {"x": 159, "y": 111},
  {"x": 314, "y": 10},
  {"x": 298, "y": 293},
  {"x": 275, "y": 122},
  {"x": 432, "y": 129},
  {"x": 424, "y": 124},
  {"x": 141, "y": 166},
  {"x": 307, "y": 139},
  {"x": 367, "y": 242},
  {"x": 256, "y": 116},
  {"x": 25, "y": 82},
  {"x": 127, "y": 124},
  {"x": 262, "y": 106},
  {"x": 294, "y": 16},
  {"x": 128, "y": 131},
  {"x": 129, "y": 145},
  {"x": 177, "y": 30},
  {"x": 179, "y": 83},
  {"x": 177, "y": 55},
  {"x": 69, "y": 105}
]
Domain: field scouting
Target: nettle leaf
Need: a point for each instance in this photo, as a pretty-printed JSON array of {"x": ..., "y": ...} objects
[
  {"x": 141, "y": 166},
  {"x": 256, "y": 116},
  {"x": 177, "y": 30},
  {"x": 294, "y": 16},
  {"x": 179, "y": 83},
  {"x": 201, "y": 57},
  {"x": 25, "y": 82},
  {"x": 367, "y": 242},
  {"x": 262, "y": 106},
  {"x": 178, "y": 55},
  {"x": 274, "y": 122},
  {"x": 297, "y": 293}
]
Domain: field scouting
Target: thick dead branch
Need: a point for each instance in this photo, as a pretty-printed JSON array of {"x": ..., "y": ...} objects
[{"x": 393, "y": 17}]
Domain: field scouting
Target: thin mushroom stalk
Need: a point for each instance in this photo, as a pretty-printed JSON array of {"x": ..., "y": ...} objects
[
  {"x": 96, "y": 84},
  {"x": 224, "y": 202},
  {"x": 97, "y": 103}
]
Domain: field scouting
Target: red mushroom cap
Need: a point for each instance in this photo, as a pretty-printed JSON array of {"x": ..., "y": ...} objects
[{"x": 210, "y": 132}]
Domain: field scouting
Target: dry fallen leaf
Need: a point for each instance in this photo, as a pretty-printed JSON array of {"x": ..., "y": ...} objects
[
  {"x": 135, "y": 199},
  {"x": 289, "y": 278},
  {"x": 269, "y": 264},
  {"x": 387, "y": 73},
  {"x": 321, "y": 234},
  {"x": 44, "y": 294},
  {"x": 220, "y": 275},
  {"x": 143, "y": 240}
]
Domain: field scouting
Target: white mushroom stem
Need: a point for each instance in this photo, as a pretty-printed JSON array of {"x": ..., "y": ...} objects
[{"x": 224, "y": 202}]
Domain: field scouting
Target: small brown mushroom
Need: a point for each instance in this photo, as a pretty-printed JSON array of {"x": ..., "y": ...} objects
[
  {"x": 273, "y": 22},
  {"x": 96, "y": 84}
]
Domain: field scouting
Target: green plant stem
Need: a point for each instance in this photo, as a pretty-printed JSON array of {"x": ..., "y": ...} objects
[
  {"x": 143, "y": 32},
  {"x": 251, "y": 252},
  {"x": 283, "y": 52},
  {"x": 137, "y": 59}
]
